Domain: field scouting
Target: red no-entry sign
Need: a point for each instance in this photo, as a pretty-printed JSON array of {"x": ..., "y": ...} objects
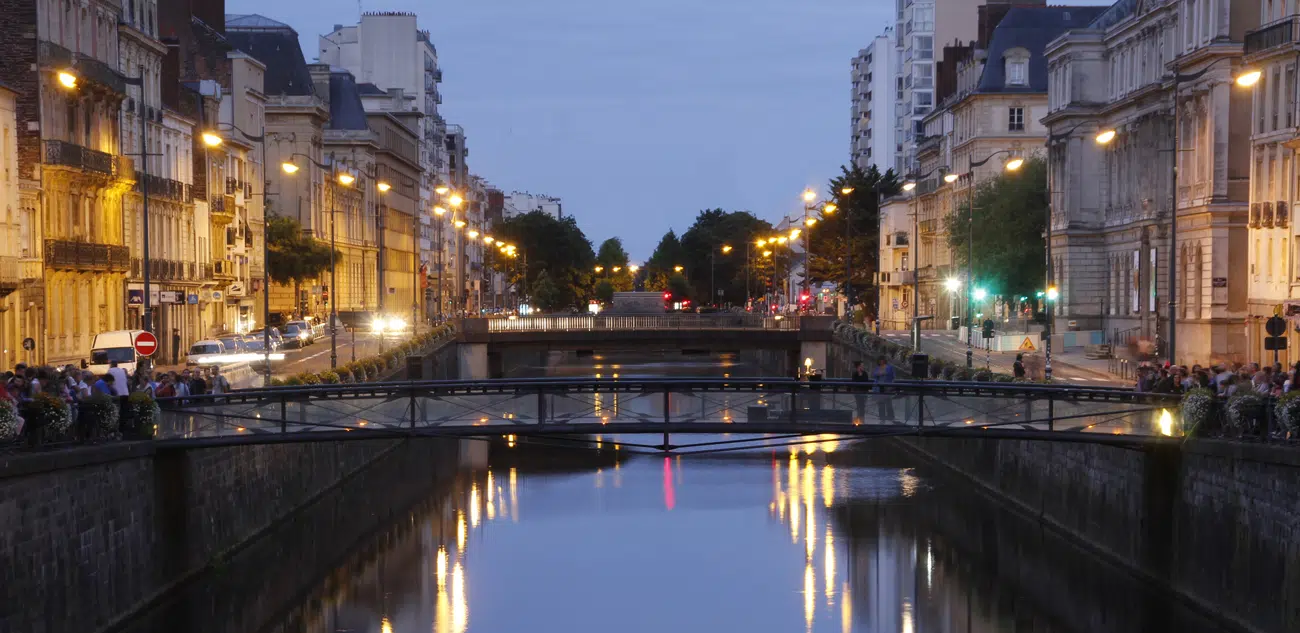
[{"x": 145, "y": 343}]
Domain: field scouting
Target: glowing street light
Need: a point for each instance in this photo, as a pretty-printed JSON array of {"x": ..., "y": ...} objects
[
  {"x": 726, "y": 249},
  {"x": 1014, "y": 164},
  {"x": 1105, "y": 136},
  {"x": 346, "y": 179},
  {"x": 473, "y": 235},
  {"x": 211, "y": 139},
  {"x": 950, "y": 178},
  {"x": 1052, "y": 293},
  {"x": 1245, "y": 80},
  {"x": 810, "y": 221},
  {"x": 455, "y": 200},
  {"x": 289, "y": 168},
  {"x": 795, "y": 233},
  {"x": 600, "y": 269},
  {"x": 980, "y": 294},
  {"x": 439, "y": 211},
  {"x": 617, "y": 268},
  {"x": 909, "y": 185},
  {"x": 760, "y": 242},
  {"x": 953, "y": 284},
  {"x": 633, "y": 268},
  {"x": 383, "y": 186},
  {"x": 809, "y": 195},
  {"x": 767, "y": 253},
  {"x": 846, "y": 190},
  {"x": 829, "y": 208},
  {"x": 67, "y": 79},
  {"x": 441, "y": 190},
  {"x": 678, "y": 269},
  {"x": 460, "y": 224}
]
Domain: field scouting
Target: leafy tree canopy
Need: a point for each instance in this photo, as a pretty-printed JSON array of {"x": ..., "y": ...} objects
[
  {"x": 293, "y": 257},
  {"x": 555, "y": 246},
  {"x": 711, "y": 267},
  {"x": 856, "y": 213},
  {"x": 613, "y": 260},
  {"x": 1010, "y": 216}
]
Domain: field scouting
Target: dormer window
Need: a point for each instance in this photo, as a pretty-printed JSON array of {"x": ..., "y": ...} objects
[{"x": 1016, "y": 62}]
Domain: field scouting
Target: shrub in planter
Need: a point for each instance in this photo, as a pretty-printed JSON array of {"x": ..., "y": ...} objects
[
  {"x": 983, "y": 375},
  {"x": 963, "y": 374},
  {"x": 276, "y": 382},
  {"x": 329, "y": 378},
  {"x": 1288, "y": 412},
  {"x": 10, "y": 422},
  {"x": 1244, "y": 412},
  {"x": 100, "y": 416},
  {"x": 1003, "y": 378},
  {"x": 309, "y": 378},
  {"x": 949, "y": 371},
  {"x": 292, "y": 381},
  {"x": 140, "y": 416},
  {"x": 47, "y": 418}
]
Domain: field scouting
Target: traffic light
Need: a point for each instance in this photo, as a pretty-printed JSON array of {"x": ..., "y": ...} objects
[{"x": 804, "y": 298}]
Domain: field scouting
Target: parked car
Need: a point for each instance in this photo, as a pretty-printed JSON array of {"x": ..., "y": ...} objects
[
  {"x": 277, "y": 340},
  {"x": 298, "y": 334}
]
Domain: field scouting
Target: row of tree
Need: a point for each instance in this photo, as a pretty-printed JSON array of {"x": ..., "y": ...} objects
[{"x": 718, "y": 259}]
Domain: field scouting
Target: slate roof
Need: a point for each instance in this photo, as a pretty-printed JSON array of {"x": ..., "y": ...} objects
[
  {"x": 368, "y": 89},
  {"x": 275, "y": 44},
  {"x": 1030, "y": 28},
  {"x": 346, "y": 111},
  {"x": 1114, "y": 14}
]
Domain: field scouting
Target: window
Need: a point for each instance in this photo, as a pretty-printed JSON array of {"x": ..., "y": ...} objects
[
  {"x": 1017, "y": 72},
  {"x": 923, "y": 17},
  {"x": 1016, "y": 119},
  {"x": 924, "y": 45}
]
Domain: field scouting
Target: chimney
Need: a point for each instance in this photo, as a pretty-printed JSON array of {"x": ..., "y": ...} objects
[{"x": 320, "y": 79}]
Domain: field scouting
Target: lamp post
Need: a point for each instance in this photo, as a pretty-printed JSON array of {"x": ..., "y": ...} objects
[
  {"x": 346, "y": 179},
  {"x": 712, "y": 288},
  {"x": 1011, "y": 165},
  {"x": 260, "y": 139},
  {"x": 909, "y": 185}
]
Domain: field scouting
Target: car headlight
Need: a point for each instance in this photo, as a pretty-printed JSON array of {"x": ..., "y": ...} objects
[
  {"x": 302, "y": 335},
  {"x": 377, "y": 324},
  {"x": 396, "y": 324}
]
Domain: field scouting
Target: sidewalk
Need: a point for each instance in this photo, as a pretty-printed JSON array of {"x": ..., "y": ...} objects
[{"x": 1067, "y": 366}]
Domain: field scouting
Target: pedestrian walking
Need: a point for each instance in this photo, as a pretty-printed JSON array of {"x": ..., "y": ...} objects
[
  {"x": 860, "y": 375},
  {"x": 884, "y": 374},
  {"x": 1018, "y": 367}
]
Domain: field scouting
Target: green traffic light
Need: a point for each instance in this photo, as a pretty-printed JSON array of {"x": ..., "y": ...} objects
[{"x": 1039, "y": 294}]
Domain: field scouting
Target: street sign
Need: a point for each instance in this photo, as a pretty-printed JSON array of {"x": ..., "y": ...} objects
[
  {"x": 1027, "y": 345},
  {"x": 1275, "y": 326},
  {"x": 1275, "y": 343},
  {"x": 29, "y": 343},
  {"x": 145, "y": 343}
]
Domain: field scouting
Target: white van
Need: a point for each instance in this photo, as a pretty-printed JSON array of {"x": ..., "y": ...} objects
[{"x": 117, "y": 345}]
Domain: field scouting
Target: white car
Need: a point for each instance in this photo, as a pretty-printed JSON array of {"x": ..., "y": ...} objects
[{"x": 206, "y": 352}]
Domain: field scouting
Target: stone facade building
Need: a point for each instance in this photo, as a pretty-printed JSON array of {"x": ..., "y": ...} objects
[
  {"x": 1274, "y": 257},
  {"x": 1152, "y": 72}
]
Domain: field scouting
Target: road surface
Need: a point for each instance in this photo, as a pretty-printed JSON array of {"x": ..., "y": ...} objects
[{"x": 944, "y": 345}]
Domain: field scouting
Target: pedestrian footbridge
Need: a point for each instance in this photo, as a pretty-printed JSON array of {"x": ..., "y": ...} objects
[{"x": 565, "y": 408}]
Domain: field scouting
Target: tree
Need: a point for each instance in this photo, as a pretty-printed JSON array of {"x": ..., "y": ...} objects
[
  {"x": 679, "y": 286},
  {"x": 547, "y": 296},
  {"x": 555, "y": 246},
  {"x": 859, "y": 210},
  {"x": 293, "y": 257},
  {"x": 605, "y": 292},
  {"x": 668, "y": 255},
  {"x": 708, "y": 267},
  {"x": 1010, "y": 217},
  {"x": 613, "y": 260}
]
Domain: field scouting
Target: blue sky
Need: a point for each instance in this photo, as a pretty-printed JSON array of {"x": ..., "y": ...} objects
[{"x": 639, "y": 113}]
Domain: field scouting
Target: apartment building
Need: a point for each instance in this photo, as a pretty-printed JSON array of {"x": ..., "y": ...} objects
[{"x": 872, "y": 120}]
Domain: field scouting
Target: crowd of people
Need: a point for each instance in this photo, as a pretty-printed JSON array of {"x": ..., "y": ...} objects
[
  {"x": 1224, "y": 379},
  {"x": 73, "y": 384}
]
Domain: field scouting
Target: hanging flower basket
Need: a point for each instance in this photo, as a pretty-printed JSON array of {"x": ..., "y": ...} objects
[
  {"x": 140, "y": 417},
  {"x": 1245, "y": 413},
  {"x": 11, "y": 424},
  {"x": 1200, "y": 412}
]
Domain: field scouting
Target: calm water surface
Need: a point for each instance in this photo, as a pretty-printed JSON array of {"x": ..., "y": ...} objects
[{"x": 829, "y": 536}]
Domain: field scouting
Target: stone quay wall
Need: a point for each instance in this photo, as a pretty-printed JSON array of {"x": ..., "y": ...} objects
[
  {"x": 90, "y": 535},
  {"x": 1216, "y": 522}
]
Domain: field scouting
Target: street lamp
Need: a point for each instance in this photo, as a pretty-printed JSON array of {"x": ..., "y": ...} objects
[
  {"x": 67, "y": 79},
  {"x": 211, "y": 139},
  {"x": 600, "y": 269},
  {"x": 1013, "y": 163},
  {"x": 677, "y": 269},
  {"x": 910, "y": 185}
]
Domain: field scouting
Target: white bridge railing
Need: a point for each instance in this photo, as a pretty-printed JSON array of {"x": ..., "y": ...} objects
[{"x": 598, "y": 323}]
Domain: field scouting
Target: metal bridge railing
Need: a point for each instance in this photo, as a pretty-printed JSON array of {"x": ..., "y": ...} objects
[
  {"x": 750, "y": 406},
  {"x": 590, "y": 323}
]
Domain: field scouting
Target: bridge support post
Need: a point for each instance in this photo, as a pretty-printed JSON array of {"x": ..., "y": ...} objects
[
  {"x": 541, "y": 407},
  {"x": 284, "y": 415},
  {"x": 667, "y": 418},
  {"x": 472, "y": 361}
]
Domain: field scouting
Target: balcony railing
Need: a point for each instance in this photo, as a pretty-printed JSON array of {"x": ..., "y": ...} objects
[
  {"x": 87, "y": 68},
  {"x": 223, "y": 270},
  {"x": 71, "y": 155},
  {"x": 1276, "y": 34},
  {"x": 69, "y": 255},
  {"x": 166, "y": 188}
]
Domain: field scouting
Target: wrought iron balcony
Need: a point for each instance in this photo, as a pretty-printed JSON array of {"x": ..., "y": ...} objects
[
  {"x": 1274, "y": 35},
  {"x": 72, "y": 155},
  {"x": 69, "y": 255},
  {"x": 88, "y": 69},
  {"x": 223, "y": 270},
  {"x": 165, "y": 188}
]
